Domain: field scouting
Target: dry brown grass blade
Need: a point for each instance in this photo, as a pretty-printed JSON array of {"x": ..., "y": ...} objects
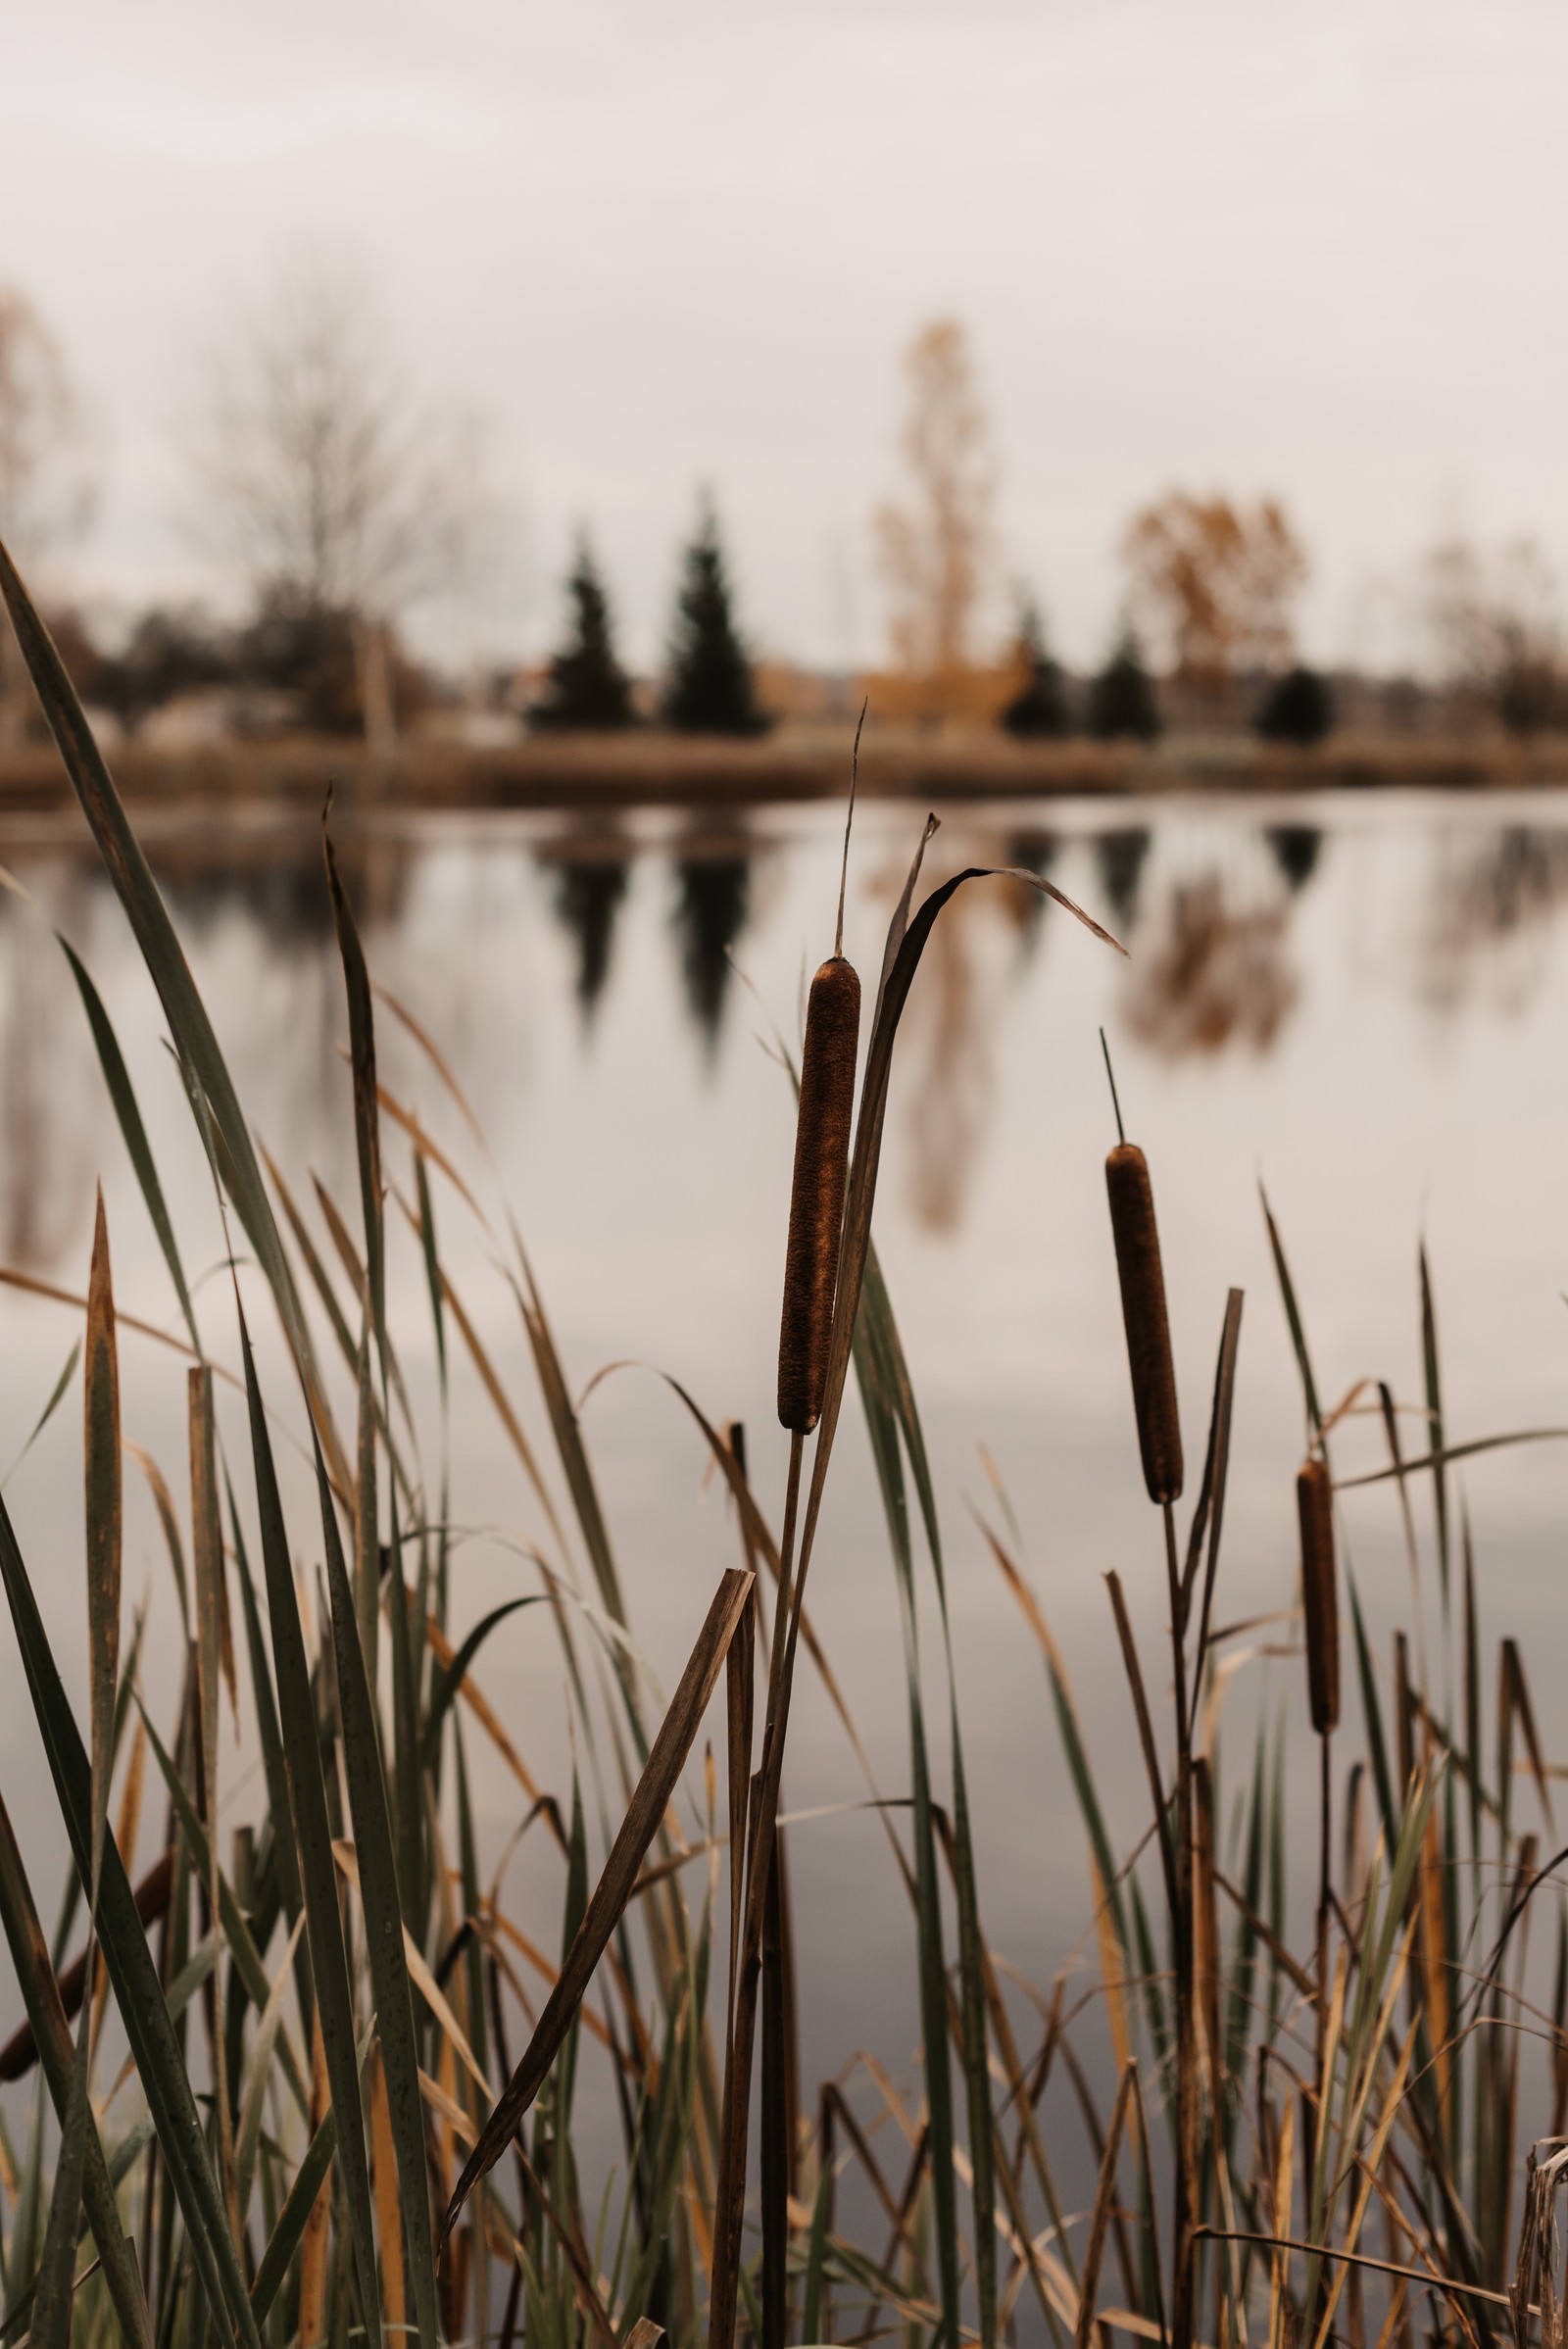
[
  {"x": 105, "y": 1524},
  {"x": 609, "y": 1895},
  {"x": 470, "y": 1694},
  {"x": 388, "y": 2212},
  {"x": 1099, "y": 2216},
  {"x": 56, "y": 1295},
  {"x": 1146, "y": 1731},
  {"x": 313, "y": 2242},
  {"x": 426, "y": 1044},
  {"x": 429, "y": 1150},
  {"x": 1272, "y": 1943}
]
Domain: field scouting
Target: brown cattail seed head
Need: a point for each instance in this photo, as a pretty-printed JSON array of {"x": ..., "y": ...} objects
[
  {"x": 817, "y": 1198},
  {"x": 1143, "y": 1312},
  {"x": 1314, "y": 1506}
]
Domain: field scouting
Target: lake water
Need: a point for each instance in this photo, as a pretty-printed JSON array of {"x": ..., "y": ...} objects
[{"x": 1361, "y": 1003}]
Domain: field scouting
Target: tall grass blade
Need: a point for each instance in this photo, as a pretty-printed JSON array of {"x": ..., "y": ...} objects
[
  {"x": 383, "y": 1917},
  {"x": 361, "y": 1058},
  {"x": 334, "y": 2002},
  {"x": 666, "y": 1761},
  {"x": 138, "y": 1993},
  {"x": 122, "y": 1094},
  {"x": 40, "y": 1994},
  {"x": 194, "y": 1040},
  {"x": 54, "y": 2290}
]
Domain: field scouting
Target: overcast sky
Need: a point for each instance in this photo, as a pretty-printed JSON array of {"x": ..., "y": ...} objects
[{"x": 1315, "y": 250}]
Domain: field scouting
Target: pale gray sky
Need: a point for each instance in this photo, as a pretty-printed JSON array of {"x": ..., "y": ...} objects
[{"x": 1224, "y": 243}]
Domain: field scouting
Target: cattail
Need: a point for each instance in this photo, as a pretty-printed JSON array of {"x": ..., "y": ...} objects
[
  {"x": 1314, "y": 1505},
  {"x": 817, "y": 1197},
  {"x": 1143, "y": 1312}
]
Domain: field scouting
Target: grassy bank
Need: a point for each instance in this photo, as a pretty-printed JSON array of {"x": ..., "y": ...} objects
[
  {"x": 795, "y": 763},
  {"x": 356, "y": 2060}
]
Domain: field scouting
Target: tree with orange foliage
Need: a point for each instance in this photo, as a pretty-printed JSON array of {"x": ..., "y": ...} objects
[
  {"x": 1214, "y": 582},
  {"x": 933, "y": 546}
]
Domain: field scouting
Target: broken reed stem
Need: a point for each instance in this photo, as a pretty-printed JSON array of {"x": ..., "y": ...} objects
[{"x": 735, "y": 2110}]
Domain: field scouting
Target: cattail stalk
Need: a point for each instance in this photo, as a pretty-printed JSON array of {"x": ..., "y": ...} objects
[
  {"x": 1145, "y": 1320},
  {"x": 1314, "y": 1509},
  {"x": 816, "y": 1196}
]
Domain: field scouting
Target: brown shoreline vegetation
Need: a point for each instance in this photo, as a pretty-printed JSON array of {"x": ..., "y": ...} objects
[
  {"x": 791, "y": 764},
  {"x": 359, "y": 2063}
]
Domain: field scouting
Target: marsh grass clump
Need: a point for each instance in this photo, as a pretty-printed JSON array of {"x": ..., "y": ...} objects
[{"x": 359, "y": 2056}]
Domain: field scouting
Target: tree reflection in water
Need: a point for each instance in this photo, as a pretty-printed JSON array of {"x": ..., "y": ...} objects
[
  {"x": 1295, "y": 848},
  {"x": 1212, "y": 974},
  {"x": 1491, "y": 911},
  {"x": 591, "y": 881},
  {"x": 1120, "y": 857},
  {"x": 713, "y": 901},
  {"x": 1035, "y": 851}
]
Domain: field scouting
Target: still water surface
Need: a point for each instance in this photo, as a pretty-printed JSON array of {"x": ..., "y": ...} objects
[{"x": 1361, "y": 1003}]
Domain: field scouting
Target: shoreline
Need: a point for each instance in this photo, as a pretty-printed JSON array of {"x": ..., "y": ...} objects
[{"x": 790, "y": 765}]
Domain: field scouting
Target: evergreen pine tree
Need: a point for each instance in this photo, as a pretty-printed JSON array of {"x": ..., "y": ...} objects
[
  {"x": 1039, "y": 712},
  {"x": 711, "y": 690},
  {"x": 1121, "y": 698},
  {"x": 588, "y": 687},
  {"x": 1299, "y": 709}
]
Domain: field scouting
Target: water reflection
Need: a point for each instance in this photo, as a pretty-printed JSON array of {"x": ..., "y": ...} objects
[
  {"x": 1490, "y": 915},
  {"x": 594, "y": 870},
  {"x": 1119, "y": 858},
  {"x": 1212, "y": 974},
  {"x": 1037, "y": 851},
  {"x": 1206, "y": 899},
  {"x": 712, "y": 903},
  {"x": 1295, "y": 848}
]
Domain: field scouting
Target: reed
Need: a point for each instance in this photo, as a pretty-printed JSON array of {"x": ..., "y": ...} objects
[{"x": 351, "y": 2094}]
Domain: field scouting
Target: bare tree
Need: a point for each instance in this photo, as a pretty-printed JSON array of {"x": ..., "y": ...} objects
[
  {"x": 1495, "y": 620},
  {"x": 46, "y": 490},
  {"x": 325, "y": 483},
  {"x": 934, "y": 544},
  {"x": 1214, "y": 583}
]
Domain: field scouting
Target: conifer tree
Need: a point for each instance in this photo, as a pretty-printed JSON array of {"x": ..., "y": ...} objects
[
  {"x": 1039, "y": 710},
  {"x": 588, "y": 687},
  {"x": 711, "y": 689},
  {"x": 1121, "y": 698}
]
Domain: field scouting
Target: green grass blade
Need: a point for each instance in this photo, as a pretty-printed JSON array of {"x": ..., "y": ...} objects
[
  {"x": 57, "y": 1395},
  {"x": 138, "y": 1993},
  {"x": 312, "y": 1831},
  {"x": 52, "y": 2036},
  {"x": 618, "y": 1878},
  {"x": 104, "y": 1522},
  {"x": 361, "y": 1060},
  {"x": 1435, "y": 1439},
  {"x": 284, "y": 2241},
  {"x": 383, "y": 1917},
  {"x": 236, "y": 1931},
  {"x": 1373, "y": 1710},
  {"x": 123, "y": 1096},
  {"x": 55, "y": 2289},
  {"x": 1292, "y": 1316},
  {"x": 194, "y": 1039}
]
